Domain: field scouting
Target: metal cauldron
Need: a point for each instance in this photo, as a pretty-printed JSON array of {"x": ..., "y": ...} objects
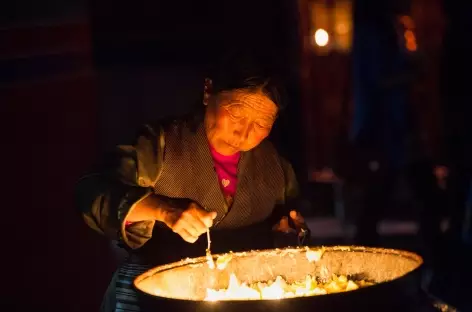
[{"x": 181, "y": 286}]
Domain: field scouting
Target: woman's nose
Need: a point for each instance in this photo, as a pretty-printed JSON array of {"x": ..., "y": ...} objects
[{"x": 243, "y": 130}]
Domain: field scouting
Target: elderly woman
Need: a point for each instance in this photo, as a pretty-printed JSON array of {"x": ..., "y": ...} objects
[{"x": 213, "y": 170}]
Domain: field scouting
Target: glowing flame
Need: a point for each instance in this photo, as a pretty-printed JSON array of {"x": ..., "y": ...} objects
[
  {"x": 235, "y": 291},
  {"x": 280, "y": 289},
  {"x": 210, "y": 262},
  {"x": 223, "y": 261},
  {"x": 220, "y": 263},
  {"x": 314, "y": 255}
]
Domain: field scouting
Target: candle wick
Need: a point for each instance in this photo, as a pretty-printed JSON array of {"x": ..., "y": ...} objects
[
  {"x": 209, "y": 240},
  {"x": 210, "y": 261}
]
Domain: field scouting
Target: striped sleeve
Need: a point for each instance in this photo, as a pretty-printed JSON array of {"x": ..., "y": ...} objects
[
  {"x": 291, "y": 188},
  {"x": 125, "y": 177}
]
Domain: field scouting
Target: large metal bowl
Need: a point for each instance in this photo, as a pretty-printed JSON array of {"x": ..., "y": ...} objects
[{"x": 181, "y": 286}]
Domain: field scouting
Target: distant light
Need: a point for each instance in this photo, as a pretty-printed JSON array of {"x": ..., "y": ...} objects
[
  {"x": 411, "y": 46},
  {"x": 321, "y": 37},
  {"x": 409, "y": 35},
  {"x": 407, "y": 21},
  {"x": 410, "y": 40},
  {"x": 342, "y": 29}
]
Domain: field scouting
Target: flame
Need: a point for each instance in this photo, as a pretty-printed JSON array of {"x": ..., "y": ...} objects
[
  {"x": 321, "y": 37},
  {"x": 280, "y": 289},
  {"x": 314, "y": 255},
  {"x": 210, "y": 262},
  {"x": 235, "y": 291},
  {"x": 222, "y": 261}
]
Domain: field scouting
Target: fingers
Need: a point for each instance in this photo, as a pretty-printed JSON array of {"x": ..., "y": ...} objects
[
  {"x": 186, "y": 230},
  {"x": 204, "y": 216},
  {"x": 189, "y": 227},
  {"x": 284, "y": 226},
  {"x": 196, "y": 223},
  {"x": 297, "y": 219},
  {"x": 187, "y": 236},
  {"x": 207, "y": 218},
  {"x": 192, "y": 223}
]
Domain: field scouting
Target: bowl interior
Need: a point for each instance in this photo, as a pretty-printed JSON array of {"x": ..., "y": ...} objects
[{"x": 189, "y": 279}]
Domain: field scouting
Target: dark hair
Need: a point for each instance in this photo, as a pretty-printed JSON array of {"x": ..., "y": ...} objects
[{"x": 250, "y": 71}]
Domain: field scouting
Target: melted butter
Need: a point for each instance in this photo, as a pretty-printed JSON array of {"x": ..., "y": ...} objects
[
  {"x": 222, "y": 261},
  {"x": 281, "y": 289}
]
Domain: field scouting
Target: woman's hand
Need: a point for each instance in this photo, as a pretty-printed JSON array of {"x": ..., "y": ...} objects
[
  {"x": 299, "y": 227},
  {"x": 284, "y": 225},
  {"x": 189, "y": 223}
]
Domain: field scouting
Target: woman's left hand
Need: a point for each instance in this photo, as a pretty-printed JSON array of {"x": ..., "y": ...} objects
[
  {"x": 284, "y": 225},
  {"x": 295, "y": 225}
]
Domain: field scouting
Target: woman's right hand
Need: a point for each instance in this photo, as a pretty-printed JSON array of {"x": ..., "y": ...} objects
[{"x": 189, "y": 223}]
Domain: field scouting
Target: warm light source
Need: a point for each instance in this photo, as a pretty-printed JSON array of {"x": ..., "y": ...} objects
[
  {"x": 321, "y": 37},
  {"x": 410, "y": 40},
  {"x": 408, "y": 35},
  {"x": 342, "y": 28}
]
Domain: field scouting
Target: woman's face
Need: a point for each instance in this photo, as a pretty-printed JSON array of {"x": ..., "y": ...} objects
[{"x": 239, "y": 120}]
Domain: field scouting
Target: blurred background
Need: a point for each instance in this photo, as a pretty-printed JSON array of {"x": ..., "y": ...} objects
[{"x": 378, "y": 125}]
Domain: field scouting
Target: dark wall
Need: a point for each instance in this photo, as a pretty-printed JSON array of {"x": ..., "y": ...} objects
[
  {"x": 29, "y": 12},
  {"x": 152, "y": 57},
  {"x": 51, "y": 261},
  {"x": 456, "y": 69},
  {"x": 69, "y": 89},
  {"x": 187, "y": 31}
]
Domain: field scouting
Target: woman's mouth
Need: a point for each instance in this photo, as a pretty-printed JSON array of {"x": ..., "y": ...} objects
[{"x": 234, "y": 146}]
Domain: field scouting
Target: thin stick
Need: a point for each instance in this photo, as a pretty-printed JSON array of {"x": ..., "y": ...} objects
[
  {"x": 209, "y": 240},
  {"x": 210, "y": 261}
]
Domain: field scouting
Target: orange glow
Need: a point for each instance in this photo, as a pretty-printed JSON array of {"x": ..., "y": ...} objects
[
  {"x": 342, "y": 29},
  {"x": 409, "y": 36},
  {"x": 407, "y": 22},
  {"x": 410, "y": 40},
  {"x": 411, "y": 46}
]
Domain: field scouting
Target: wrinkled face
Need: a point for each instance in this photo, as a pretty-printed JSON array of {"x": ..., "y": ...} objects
[{"x": 239, "y": 120}]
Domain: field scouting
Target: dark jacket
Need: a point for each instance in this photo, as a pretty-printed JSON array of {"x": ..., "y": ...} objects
[{"x": 172, "y": 160}]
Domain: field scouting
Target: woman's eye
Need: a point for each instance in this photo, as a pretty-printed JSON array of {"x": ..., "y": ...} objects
[
  {"x": 235, "y": 111},
  {"x": 262, "y": 125}
]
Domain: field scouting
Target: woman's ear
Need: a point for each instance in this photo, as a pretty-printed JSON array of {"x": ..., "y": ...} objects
[{"x": 207, "y": 90}]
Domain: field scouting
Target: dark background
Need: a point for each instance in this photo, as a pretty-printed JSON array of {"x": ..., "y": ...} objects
[{"x": 76, "y": 78}]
